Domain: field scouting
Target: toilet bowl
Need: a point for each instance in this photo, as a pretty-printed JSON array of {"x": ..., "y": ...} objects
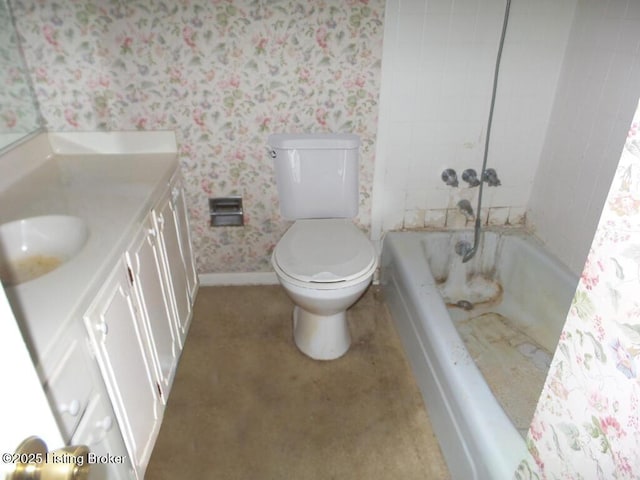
[
  {"x": 324, "y": 265},
  {"x": 323, "y": 261}
]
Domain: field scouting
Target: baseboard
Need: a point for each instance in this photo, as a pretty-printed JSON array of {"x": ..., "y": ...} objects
[{"x": 234, "y": 278}]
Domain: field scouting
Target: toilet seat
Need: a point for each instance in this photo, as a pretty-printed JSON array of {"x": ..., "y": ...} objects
[{"x": 324, "y": 251}]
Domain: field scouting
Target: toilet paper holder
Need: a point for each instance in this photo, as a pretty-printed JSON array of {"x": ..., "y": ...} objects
[{"x": 226, "y": 211}]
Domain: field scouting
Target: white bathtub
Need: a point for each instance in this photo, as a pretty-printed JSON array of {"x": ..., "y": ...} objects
[{"x": 477, "y": 437}]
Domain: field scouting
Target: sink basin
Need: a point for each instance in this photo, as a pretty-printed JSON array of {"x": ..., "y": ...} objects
[{"x": 32, "y": 247}]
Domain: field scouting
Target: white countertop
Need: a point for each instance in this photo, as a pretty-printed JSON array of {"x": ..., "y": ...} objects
[{"x": 113, "y": 193}]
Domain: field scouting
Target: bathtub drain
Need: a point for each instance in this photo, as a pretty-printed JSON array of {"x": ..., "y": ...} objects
[{"x": 464, "y": 304}]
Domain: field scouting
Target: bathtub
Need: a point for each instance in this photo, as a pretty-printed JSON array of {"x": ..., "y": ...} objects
[{"x": 448, "y": 346}]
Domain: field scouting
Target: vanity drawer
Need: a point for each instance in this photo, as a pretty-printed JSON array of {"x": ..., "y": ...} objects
[
  {"x": 69, "y": 387},
  {"x": 99, "y": 431}
]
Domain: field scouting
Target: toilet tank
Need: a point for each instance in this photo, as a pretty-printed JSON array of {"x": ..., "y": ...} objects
[{"x": 316, "y": 174}]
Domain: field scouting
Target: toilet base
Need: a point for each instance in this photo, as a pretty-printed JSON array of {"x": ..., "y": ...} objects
[{"x": 321, "y": 337}]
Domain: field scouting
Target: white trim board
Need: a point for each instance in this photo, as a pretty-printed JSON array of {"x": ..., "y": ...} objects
[{"x": 235, "y": 278}]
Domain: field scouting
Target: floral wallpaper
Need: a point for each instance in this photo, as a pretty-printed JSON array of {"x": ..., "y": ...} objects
[
  {"x": 224, "y": 75},
  {"x": 587, "y": 423},
  {"x": 18, "y": 114}
]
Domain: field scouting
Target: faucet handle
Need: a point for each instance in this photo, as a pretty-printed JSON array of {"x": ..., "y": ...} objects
[
  {"x": 491, "y": 177},
  {"x": 471, "y": 177},
  {"x": 450, "y": 177}
]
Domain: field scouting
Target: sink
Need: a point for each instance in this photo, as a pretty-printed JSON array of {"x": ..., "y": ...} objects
[{"x": 32, "y": 247}]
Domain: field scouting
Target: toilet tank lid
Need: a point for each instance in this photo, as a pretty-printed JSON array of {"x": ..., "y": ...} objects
[{"x": 314, "y": 141}]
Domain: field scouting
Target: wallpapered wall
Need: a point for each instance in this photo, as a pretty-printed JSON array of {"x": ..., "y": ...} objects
[
  {"x": 18, "y": 115},
  {"x": 223, "y": 75},
  {"x": 587, "y": 423}
]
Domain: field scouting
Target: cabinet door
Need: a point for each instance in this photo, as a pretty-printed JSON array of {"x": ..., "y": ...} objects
[
  {"x": 145, "y": 260},
  {"x": 180, "y": 214},
  {"x": 119, "y": 344},
  {"x": 176, "y": 272}
]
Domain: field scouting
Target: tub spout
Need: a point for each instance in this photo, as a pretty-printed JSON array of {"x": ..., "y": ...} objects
[{"x": 466, "y": 209}]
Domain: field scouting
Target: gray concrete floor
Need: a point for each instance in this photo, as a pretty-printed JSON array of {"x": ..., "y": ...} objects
[{"x": 246, "y": 404}]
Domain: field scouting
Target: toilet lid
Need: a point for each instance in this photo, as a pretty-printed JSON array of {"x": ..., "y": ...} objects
[{"x": 324, "y": 250}]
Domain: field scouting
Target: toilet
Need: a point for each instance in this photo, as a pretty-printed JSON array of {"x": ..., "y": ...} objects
[{"x": 323, "y": 261}]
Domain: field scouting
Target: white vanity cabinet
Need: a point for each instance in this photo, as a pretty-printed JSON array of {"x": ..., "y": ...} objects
[
  {"x": 105, "y": 330},
  {"x": 82, "y": 406},
  {"x": 147, "y": 275},
  {"x": 121, "y": 348},
  {"x": 180, "y": 214},
  {"x": 170, "y": 218},
  {"x": 139, "y": 320}
]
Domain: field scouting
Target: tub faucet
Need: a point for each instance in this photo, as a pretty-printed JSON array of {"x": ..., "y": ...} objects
[
  {"x": 466, "y": 209},
  {"x": 449, "y": 177},
  {"x": 491, "y": 177},
  {"x": 471, "y": 177}
]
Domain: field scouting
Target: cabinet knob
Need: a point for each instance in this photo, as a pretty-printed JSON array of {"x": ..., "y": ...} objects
[
  {"x": 102, "y": 328},
  {"x": 101, "y": 430},
  {"x": 72, "y": 408},
  {"x": 105, "y": 424}
]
